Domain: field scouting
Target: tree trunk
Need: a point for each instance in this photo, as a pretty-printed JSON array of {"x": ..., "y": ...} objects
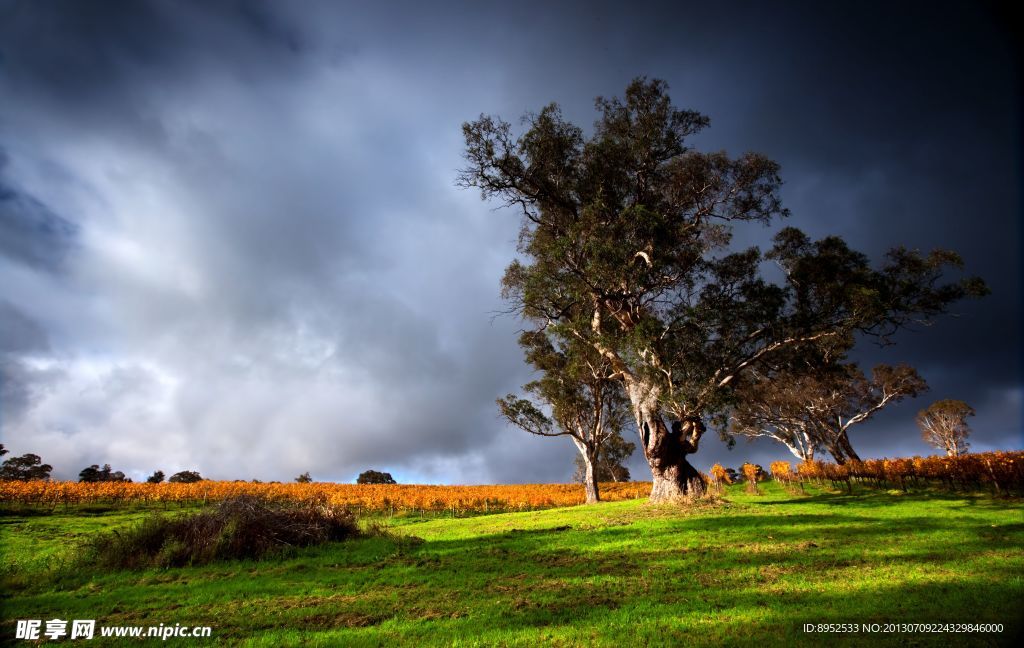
[
  {"x": 841, "y": 450},
  {"x": 665, "y": 449},
  {"x": 590, "y": 481},
  {"x": 844, "y": 443}
]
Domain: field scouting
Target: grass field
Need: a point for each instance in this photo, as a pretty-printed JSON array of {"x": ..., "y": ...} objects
[{"x": 751, "y": 571}]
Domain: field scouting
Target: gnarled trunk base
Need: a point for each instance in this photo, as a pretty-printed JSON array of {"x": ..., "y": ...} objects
[
  {"x": 666, "y": 448},
  {"x": 675, "y": 482}
]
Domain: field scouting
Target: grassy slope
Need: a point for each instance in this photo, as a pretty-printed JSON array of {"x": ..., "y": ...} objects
[{"x": 750, "y": 572}]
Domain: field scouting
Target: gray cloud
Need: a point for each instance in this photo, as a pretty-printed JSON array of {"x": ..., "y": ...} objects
[
  {"x": 265, "y": 267},
  {"x": 30, "y": 233},
  {"x": 20, "y": 336}
]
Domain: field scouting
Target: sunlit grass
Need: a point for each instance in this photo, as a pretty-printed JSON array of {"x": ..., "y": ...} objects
[{"x": 750, "y": 571}]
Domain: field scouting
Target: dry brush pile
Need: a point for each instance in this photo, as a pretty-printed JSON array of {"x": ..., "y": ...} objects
[{"x": 240, "y": 528}]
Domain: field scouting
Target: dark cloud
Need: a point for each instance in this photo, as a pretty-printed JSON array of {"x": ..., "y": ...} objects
[
  {"x": 265, "y": 267},
  {"x": 30, "y": 232},
  {"x": 75, "y": 52},
  {"x": 19, "y": 333},
  {"x": 20, "y": 337}
]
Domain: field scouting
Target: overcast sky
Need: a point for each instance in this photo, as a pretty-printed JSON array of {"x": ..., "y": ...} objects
[{"x": 230, "y": 239}]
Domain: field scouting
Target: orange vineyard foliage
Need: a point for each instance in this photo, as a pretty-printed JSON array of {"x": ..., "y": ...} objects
[
  {"x": 363, "y": 497},
  {"x": 1002, "y": 471},
  {"x": 781, "y": 471},
  {"x": 719, "y": 475},
  {"x": 750, "y": 474}
]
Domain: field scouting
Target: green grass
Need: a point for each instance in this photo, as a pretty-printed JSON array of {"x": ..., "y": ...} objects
[{"x": 752, "y": 571}]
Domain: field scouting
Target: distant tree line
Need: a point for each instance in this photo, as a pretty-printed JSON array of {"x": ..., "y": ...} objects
[{"x": 29, "y": 467}]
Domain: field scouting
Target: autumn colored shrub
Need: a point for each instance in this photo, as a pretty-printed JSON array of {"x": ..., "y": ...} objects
[
  {"x": 781, "y": 471},
  {"x": 719, "y": 477},
  {"x": 751, "y": 474}
]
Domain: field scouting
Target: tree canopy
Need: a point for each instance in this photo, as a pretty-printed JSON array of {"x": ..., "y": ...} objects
[
  {"x": 94, "y": 473},
  {"x": 27, "y": 467},
  {"x": 811, "y": 404},
  {"x": 586, "y": 405},
  {"x": 375, "y": 477},
  {"x": 185, "y": 477}
]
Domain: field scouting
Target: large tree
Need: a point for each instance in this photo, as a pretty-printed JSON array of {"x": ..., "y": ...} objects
[
  {"x": 814, "y": 408},
  {"x": 575, "y": 385},
  {"x": 625, "y": 245}
]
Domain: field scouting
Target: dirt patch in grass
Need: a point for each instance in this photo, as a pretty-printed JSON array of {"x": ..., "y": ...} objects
[{"x": 347, "y": 619}]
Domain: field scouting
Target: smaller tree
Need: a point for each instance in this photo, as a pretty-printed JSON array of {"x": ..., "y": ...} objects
[
  {"x": 815, "y": 406},
  {"x": 185, "y": 477},
  {"x": 585, "y": 403},
  {"x": 375, "y": 477},
  {"x": 609, "y": 465},
  {"x": 304, "y": 478},
  {"x": 27, "y": 467},
  {"x": 156, "y": 477},
  {"x": 3, "y": 450},
  {"x": 944, "y": 425}
]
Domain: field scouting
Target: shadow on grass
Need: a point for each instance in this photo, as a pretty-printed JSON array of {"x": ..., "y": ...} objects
[
  {"x": 618, "y": 585},
  {"x": 869, "y": 497},
  {"x": 755, "y": 575}
]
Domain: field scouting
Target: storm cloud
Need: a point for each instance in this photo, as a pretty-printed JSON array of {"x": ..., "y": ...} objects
[{"x": 230, "y": 238}]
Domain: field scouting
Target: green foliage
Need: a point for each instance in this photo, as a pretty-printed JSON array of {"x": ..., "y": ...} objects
[
  {"x": 587, "y": 404},
  {"x": 375, "y": 477},
  {"x": 96, "y": 474},
  {"x": 156, "y": 478},
  {"x": 27, "y": 467},
  {"x": 304, "y": 478},
  {"x": 185, "y": 477}
]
